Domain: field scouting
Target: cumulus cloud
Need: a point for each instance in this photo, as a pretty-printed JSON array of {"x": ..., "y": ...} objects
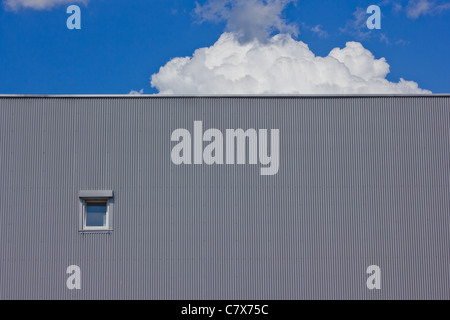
[
  {"x": 250, "y": 58},
  {"x": 39, "y": 4},
  {"x": 416, "y": 8},
  {"x": 279, "y": 65},
  {"x": 249, "y": 19}
]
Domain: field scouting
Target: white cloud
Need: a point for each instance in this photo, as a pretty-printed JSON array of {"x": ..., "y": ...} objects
[
  {"x": 402, "y": 42},
  {"x": 384, "y": 38},
  {"x": 416, "y": 8},
  {"x": 134, "y": 92},
  {"x": 249, "y": 19},
  {"x": 317, "y": 30},
  {"x": 248, "y": 59},
  {"x": 397, "y": 7},
  {"x": 357, "y": 27},
  {"x": 39, "y": 4},
  {"x": 279, "y": 65}
]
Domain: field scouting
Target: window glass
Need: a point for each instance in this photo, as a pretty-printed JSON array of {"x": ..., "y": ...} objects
[{"x": 96, "y": 214}]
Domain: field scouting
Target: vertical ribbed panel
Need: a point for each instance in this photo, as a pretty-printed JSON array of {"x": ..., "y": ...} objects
[{"x": 361, "y": 181}]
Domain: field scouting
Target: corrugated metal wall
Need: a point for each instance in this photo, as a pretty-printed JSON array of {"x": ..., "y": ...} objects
[{"x": 362, "y": 181}]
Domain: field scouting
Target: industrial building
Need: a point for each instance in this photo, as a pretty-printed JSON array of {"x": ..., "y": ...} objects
[{"x": 225, "y": 197}]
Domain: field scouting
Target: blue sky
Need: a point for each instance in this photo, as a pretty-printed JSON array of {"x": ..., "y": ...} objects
[{"x": 122, "y": 43}]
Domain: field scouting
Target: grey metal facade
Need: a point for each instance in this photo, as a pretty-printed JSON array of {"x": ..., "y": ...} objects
[{"x": 362, "y": 181}]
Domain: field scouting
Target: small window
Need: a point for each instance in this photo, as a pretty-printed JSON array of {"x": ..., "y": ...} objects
[
  {"x": 95, "y": 214},
  {"x": 95, "y": 211}
]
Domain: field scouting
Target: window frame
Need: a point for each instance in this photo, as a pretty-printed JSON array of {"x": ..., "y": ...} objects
[
  {"x": 86, "y": 203},
  {"x": 96, "y": 196}
]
